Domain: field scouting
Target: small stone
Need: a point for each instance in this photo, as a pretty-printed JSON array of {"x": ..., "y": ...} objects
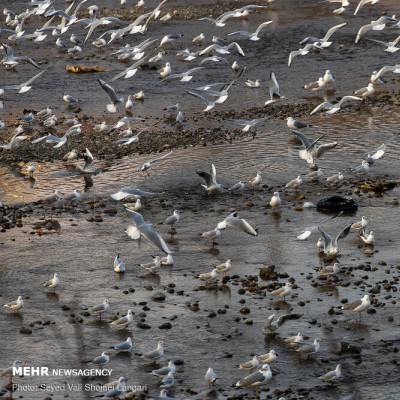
[{"x": 165, "y": 325}]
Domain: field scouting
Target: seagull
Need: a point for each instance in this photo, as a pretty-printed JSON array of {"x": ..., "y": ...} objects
[
  {"x": 295, "y": 183},
  {"x": 112, "y": 95},
  {"x": 241, "y": 185},
  {"x": 309, "y": 348},
  {"x": 168, "y": 260},
  {"x": 114, "y": 393},
  {"x": 16, "y": 305},
  {"x": 168, "y": 380},
  {"x": 153, "y": 266},
  {"x": 302, "y": 52},
  {"x": 333, "y": 108},
  {"x": 246, "y": 123},
  {"x": 312, "y": 151},
  {"x": 212, "y": 235},
  {"x": 272, "y": 325},
  {"x": 377, "y": 25},
  {"x": 256, "y": 181},
  {"x": 123, "y": 322},
  {"x": 275, "y": 201},
  {"x": 172, "y": 219},
  {"x": 296, "y": 124},
  {"x": 273, "y": 90},
  {"x": 124, "y": 346},
  {"x": 390, "y": 46},
  {"x": 170, "y": 38},
  {"x": 102, "y": 360},
  {"x": 252, "y": 36},
  {"x": 358, "y": 306},
  {"x": 15, "y": 141},
  {"x": 209, "y": 104},
  {"x": 12, "y": 61},
  {"x": 100, "y": 308},
  {"x": 69, "y": 99},
  {"x": 360, "y": 225},
  {"x": 376, "y": 76},
  {"x": 23, "y": 87},
  {"x": 328, "y": 78},
  {"x": 88, "y": 166},
  {"x": 366, "y": 92},
  {"x": 147, "y": 165},
  {"x": 9, "y": 372},
  {"x": 323, "y": 42},
  {"x": 367, "y": 237},
  {"x": 209, "y": 276},
  {"x": 185, "y": 76},
  {"x": 268, "y": 358},
  {"x": 329, "y": 270},
  {"x": 222, "y": 49},
  {"x": 283, "y": 291},
  {"x": 253, "y": 84},
  {"x": 154, "y": 355},
  {"x": 256, "y": 379},
  {"x": 362, "y": 169},
  {"x": 132, "y": 192},
  {"x": 137, "y": 206},
  {"x": 362, "y": 3},
  {"x": 210, "y": 376},
  {"x": 332, "y": 376},
  {"x": 224, "y": 267},
  {"x": 380, "y": 151},
  {"x": 166, "y": 71},
  {"x": 336, "y": 178},
  {"x": 163, "y": 371},
  {"x": 250, "y": 365},
  {"x": 295, "y": 340},
  {"x": 234, "y": 221},
  {"x": 330, "y": 245},
  {"x": 119, "y": 265},
  {"x": 146, "y": 230},
  {"x": 52, "y": 283},
  {"x": 211, "y": 184}
]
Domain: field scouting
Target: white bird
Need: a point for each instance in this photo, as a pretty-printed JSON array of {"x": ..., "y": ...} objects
[
  {"x": 119, "y": 265},
  {"x": 380, "y": 151},
  {"x": 102, "y": 360},
  {"x": 256, "y": 379},
  {"x": 212, "y": 235},
  {"x": 224, "y": 267},
  {"x": 31, "y": 168},
  {"x": 336, "y": 178},
  {"x": 250, "y": 365},
  {"x": 166, "y": 71},
  {"x": 114, "y": 393},
  {"x": 15, "y": 141},
  {"x": 69, "y": 99},
  {"x": 253, "y": 84},
  {"x": 16, "y": 305},
  {"x": 323, "y": 42},
  {"x": 168, "y": 260},
  {"x": 234, "y": 221},
  {"x": 362, "y": 3},
  {"x": 296, "y": 124},
  {"x": 246, "y": 123},
  {"x": 209, "y": 104},
  {"x": 9, "y": 372},
  {"x": 275, "y": 201},
  {"x": 211, "y": 184},
  {"x": 112, "y": 95},
  {"x": 332, "y": 376},
  {"x": 147, "y": 165},
  {"x": 256, "y": 181},
  {"x": 295, "y": 340},
  {"x": 199, "y": 38},
  {"x": 360, "y": 225},
  {"x": 333, "y": 108},
  {"x": 331, "y": 245},
  {"x": 146, "y": 230},
  {"x": 52, "y": 283},
  {"x": 316, "y": 86},
  {"x": 254, "y": 35},
  {"x": 390, "y": 46},
  {"x": 358, "y": 306},
  {"x": 367, "y": 237},
  {"x": 309, "y": 349},
  {"x": 184, "y": 76},
  {"x": 23, "y": 87},
  {"x": 172, "y": 219},
  {"x": 377, "y": 25},
  {"x": 168, "y": 380},
  {"x": 103, "y": 127},
  {"x": 302, "y": 52},
  {"x": 283, "y": 291},
  {"x": 362, "y": 169},
  {"x": 124, "y": 346},
  {"x": 132, "y": 192},
  {"x": 137, "y": 206},
  {"x": 222, "y": 49},
  {"x": 139, "y": 95},
  {"x": 100, "y": 308},
  {"x": 311, "y": 150},
  {"x": 88, "y": 167},
  {"x": 295, "y": 183},
  {"x": 329, "y": 270},
  {"x": 210, "y": 376},
  {"x": 153, "y": 266},
  {"x": 209, "y": 276},
  {"x": 155, "y": 354},
  {"x": 163, "y": 371},
  {"x": 237, "y": 187},
  {"x": 274, "y": 91},
  {"x": 268, "y": 358},
  {"x": 272, "y": 325},
  {"x": 170, "y": 38},
  {"x": 328, "y": 78},
  {"x": 366, "y": 92},
  {"x": 71, "y": 155},
  {"x": 123, "y": 322}
]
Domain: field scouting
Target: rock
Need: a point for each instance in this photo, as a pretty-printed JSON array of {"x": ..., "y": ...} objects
[
  {"x": 159, "y": 296},
  {"x": 25, "y": 330},
  {"x": 165, "y": 325},
  {"x": 337, "y": 203}
]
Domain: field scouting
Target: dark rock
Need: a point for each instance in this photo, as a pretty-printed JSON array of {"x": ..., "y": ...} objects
[{"x": 337, "y": 203}]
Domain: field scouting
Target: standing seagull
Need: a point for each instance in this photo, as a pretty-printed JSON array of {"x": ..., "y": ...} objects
[
  {"x": 332, "y": 376},
  {"x": 119, "y": 265},
  {"x": 210, "y": 376},
  {"x": 141, "y": 228},
  {"x": 147, "y": 165},
  {"x": 172, "y": 219},
  {"x": 123, "y": 322},
  {"x": 283, "y": 291},
  {"x": 112, "y": 95},
  {"x": 358, "y": 306},
  {"x": 52, "y": 283},
  {"x": 100, "y": 308},
  {"x": 16, "y": 305},
  {"x": 155, "y": 354},
  {"x": 256, "y": 379},
  {"x": 296, "y": 124}
]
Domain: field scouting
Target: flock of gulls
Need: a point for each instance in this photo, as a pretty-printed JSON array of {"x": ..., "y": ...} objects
[{"x": 72, "y": 29}]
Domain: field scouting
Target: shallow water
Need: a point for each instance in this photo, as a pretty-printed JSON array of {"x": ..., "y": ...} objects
[{"x": 84, "y": 251}]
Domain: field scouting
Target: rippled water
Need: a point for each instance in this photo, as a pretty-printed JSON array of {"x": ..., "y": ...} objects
[{"x": 84, "y": 252}]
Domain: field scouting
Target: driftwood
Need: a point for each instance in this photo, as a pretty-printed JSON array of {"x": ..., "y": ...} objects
[{"x": 77, "y": 69}]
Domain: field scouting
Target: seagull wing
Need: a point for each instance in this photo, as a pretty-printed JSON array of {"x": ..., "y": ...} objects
[
  {"x": 110, "y": 91},
  {"x": 345, "y": 98},
  {"x": 292, "y": 55},
  {"x": 325, "y": 105},
  {"x": 155, "y": 238},
  {"x": 251, "y": 379},
  {"x": 343, "y": 233},
  {"x": 136, "y": 217},
  {"x": 160, "y": 158},
  {"x": 206, "y": 176},
  {"x": 326, "y": 237},
  {"x": 331, "y": 31},
  {"x": 303, "y": 138},
  {"x": 324, "y": 148},
  {"x": 261, "y": 26},
  {"x": 242, "y": 225},
  {"x": 362, "y": 31},
  {"x": 379, "y": 152}
]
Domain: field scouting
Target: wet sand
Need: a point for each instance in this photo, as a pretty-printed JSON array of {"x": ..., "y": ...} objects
[{"x": 227, "y": 328}]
